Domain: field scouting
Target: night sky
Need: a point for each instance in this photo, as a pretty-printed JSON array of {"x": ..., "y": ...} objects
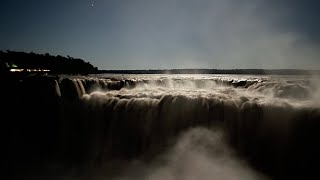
[{"x": 166, "y": 34}]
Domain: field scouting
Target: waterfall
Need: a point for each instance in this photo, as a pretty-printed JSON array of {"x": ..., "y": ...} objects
[{"x": 273, "y": 123}]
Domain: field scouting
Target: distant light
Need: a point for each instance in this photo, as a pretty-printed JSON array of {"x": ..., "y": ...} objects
[
  {"x": 16, "y": 70},
  {"x": 30, "y": 70}
]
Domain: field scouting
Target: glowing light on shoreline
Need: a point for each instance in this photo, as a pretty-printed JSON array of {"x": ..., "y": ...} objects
[{"x": 29, "y": 70}]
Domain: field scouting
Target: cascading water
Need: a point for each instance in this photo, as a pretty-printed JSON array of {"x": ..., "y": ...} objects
[{"x": 164, "y": 127}]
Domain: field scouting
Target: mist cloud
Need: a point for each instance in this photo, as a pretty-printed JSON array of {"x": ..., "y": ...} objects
[
  {"x": 198, "y": 154},
  {"x": 216, "y": 34}
]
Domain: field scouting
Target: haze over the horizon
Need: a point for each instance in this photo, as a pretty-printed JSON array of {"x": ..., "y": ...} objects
[{"x": 166, "y": 34}]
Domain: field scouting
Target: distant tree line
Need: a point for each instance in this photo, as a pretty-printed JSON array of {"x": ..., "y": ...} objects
[
  {"x": 216, "y": 71},
  {"x": 56, "y": 64}
]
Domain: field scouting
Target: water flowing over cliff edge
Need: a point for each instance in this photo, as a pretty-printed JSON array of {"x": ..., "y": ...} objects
[{"x": 161, "y": 127}]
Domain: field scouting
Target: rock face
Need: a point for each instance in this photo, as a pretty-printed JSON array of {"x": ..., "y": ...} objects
[{"x": 82, "y": 121}]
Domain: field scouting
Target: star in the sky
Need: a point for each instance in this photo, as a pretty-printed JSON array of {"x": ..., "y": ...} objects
[{"x": 92, "y": 3}]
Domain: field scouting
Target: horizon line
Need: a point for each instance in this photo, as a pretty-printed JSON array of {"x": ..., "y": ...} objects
[{"x": 272, "y": 69}]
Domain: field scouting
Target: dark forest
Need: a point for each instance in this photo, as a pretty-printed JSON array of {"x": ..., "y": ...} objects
[{"x": 56, "y": 64}]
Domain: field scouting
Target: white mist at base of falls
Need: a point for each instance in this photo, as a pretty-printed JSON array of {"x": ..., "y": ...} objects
[{"x": 198, "y": 153}]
